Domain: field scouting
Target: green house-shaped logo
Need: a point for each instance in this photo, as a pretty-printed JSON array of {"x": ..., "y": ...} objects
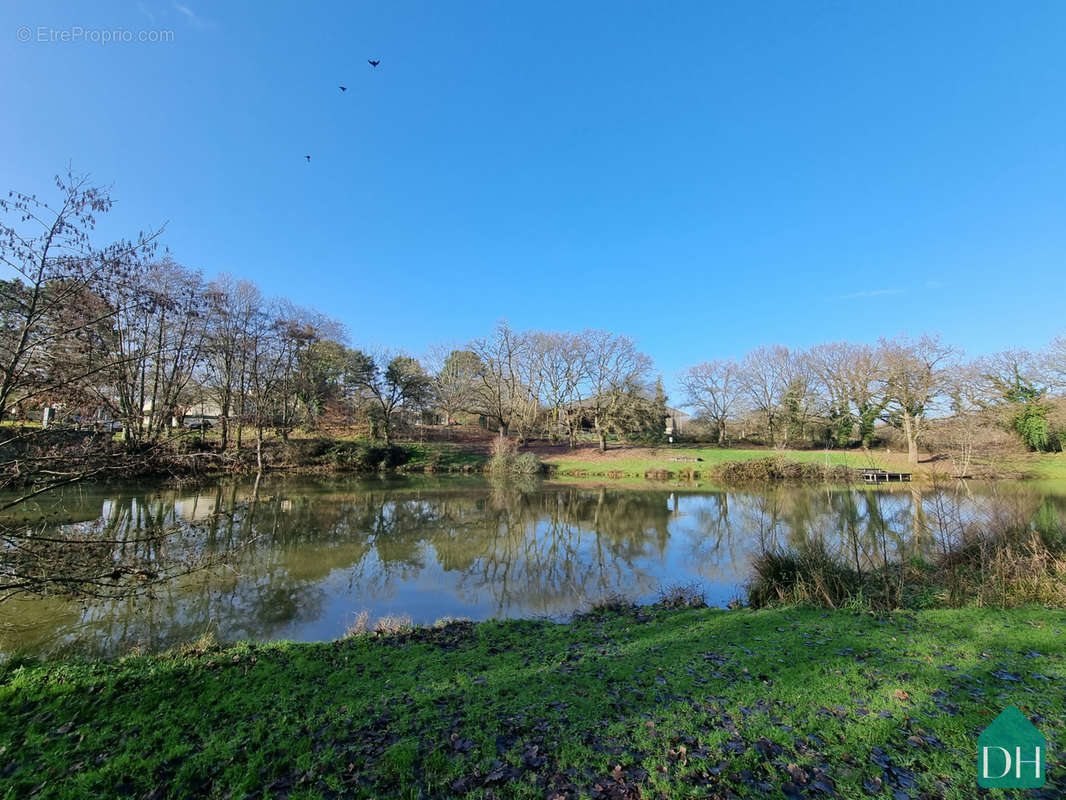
[{"x": 1011, "y": 753}]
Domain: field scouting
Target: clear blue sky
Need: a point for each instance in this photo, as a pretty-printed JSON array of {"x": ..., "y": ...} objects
[{"x": 705, "y": 177}]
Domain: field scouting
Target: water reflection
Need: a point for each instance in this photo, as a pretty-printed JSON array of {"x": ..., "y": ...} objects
[{"x": 317, "y": 552}]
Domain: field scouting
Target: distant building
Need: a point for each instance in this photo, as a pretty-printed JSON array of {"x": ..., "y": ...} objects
[{"x": 676, "y": 421}]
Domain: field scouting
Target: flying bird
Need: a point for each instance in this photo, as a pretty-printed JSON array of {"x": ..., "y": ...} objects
[
  {"x": 308, "y": 159},
  {"x": 343, "y": 88},
  {"x": 372, "y": 62}
]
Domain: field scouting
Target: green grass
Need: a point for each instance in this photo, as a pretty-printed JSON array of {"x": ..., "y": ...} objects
[
  {"x": 443, "y": 457},
  {"x": 637, "y": 467},
  {"x": 1046, "y": 466},
  {"x": 642, "y": 703}
]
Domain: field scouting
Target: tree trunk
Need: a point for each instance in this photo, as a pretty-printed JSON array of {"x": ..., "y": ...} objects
[
  {"x": 259, "y": 447},
  {"x": 224, "y": 418},
  {"x": 911, "y": 434},
  {"x": 603, "y": 439},
  {"x": 721, "y": 433}
]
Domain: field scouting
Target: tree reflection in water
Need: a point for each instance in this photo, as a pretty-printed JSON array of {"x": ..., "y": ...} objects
[{"x": 322, "y": 550}]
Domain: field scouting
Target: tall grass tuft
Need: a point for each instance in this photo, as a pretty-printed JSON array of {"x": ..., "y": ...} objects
[
  {"x": 1006, "y": 557},
  {"x": 808, "y": 576},
  {"x": 359, "y": 625},
  {"x": 607, "y": 604}
]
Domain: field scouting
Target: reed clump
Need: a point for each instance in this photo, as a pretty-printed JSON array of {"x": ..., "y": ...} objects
[
  {"x": 1002, "y": 561},
  {"x": 506, "y": 461}
]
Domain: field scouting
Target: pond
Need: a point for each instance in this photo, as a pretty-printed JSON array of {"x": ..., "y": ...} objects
[{"x": 303, "y": 557}]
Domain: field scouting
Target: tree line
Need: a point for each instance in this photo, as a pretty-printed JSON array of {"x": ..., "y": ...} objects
[
  {"x": 838, "y": 393},
  {"x": 125, "y": 333}
]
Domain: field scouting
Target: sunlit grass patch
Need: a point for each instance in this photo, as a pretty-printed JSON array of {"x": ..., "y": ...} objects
[
  {"x": 666, "y": 460},
  {"x": 689, "y": 702}
]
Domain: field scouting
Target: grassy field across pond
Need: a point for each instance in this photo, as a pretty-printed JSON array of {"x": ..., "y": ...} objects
[
  {"x": 638, "y": 461},
  {"x": 632, "y": 703},
  {"x": 1047, "y": 466}
]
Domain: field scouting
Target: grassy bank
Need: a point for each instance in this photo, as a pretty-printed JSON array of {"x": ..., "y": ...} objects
[
  {"x": 1044, "y": 466},
  {"x": 639, "y": 462},
  {"x": 635, "y": 703}
]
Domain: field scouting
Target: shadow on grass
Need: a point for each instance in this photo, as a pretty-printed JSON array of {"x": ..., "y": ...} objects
[{"x": 640, "y": 702}]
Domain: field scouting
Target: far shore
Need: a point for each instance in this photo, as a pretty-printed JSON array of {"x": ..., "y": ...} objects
[{"x": 467, "y": 450}]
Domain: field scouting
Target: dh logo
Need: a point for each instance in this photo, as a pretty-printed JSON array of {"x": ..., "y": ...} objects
[{"x": 1011, "y": 753}]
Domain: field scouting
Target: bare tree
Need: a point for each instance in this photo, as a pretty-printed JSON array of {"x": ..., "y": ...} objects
[
  {"x": 766, "y": 379},
  {"x": 715, "y": 390},
  {"x": 1014, "y": 371},
  {"x": 388, "y": 384},
  {"x": 500, "y": 391},
  {"x": 851, "y": 377},
  {"x": 972, "y": 424},
  {"x": 270, "y": 346},
  {"x": 232, "y": 305},
  {"x": 1018, "y": 380},
  {"x": 829, "y": 365},
  {"x": 456, "y": 376},
  {"x": 49, "y": 249},
  {"x": 865, "y": 375},
  {"x": 529, "y": 413},
  {"x": 915, "y": 372},
  {"x": 1054, "y": 363},
  {"x": 799, "y": 398},
  {"x": 617, "y": 376},
  {"x": 560, "y": 360},
  {"x": 157, "y": 334}
]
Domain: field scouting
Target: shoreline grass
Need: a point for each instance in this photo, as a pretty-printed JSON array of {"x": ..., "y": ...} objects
[
  {"x": 662, "y": 460},
  {"x": 629, "y": 703}
]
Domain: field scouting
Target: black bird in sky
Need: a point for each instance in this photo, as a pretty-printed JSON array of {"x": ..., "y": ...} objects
[
  {"x": 308, "y": 159},
  {"x": 372, "y": 62},
  {"x": 343, "y": 88}
]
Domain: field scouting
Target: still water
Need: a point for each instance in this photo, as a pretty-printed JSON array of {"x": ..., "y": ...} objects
[{"x": 302, "y": 558}]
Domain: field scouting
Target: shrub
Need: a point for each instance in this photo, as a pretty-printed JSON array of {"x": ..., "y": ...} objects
[
  {"x": 506, "y": 461},
  {"x": 365, "y": 457},
  {"x": 1031, "y": 423},
  {"x": 779, "y": 469},
  {"x": 301, "y": 451},
  {"x": 527, "y": 464},
  {"x": 193, "y": 444}
]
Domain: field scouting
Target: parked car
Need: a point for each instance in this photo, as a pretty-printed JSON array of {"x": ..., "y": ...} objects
[{"x": 198, "y": 423}]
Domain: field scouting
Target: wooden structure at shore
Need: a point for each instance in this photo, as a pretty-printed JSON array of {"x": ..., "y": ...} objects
[{"x": 883, "y": 476}]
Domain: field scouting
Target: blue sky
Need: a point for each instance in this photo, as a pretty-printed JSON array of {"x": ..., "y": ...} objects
[{"x": 705, "y": 177}]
